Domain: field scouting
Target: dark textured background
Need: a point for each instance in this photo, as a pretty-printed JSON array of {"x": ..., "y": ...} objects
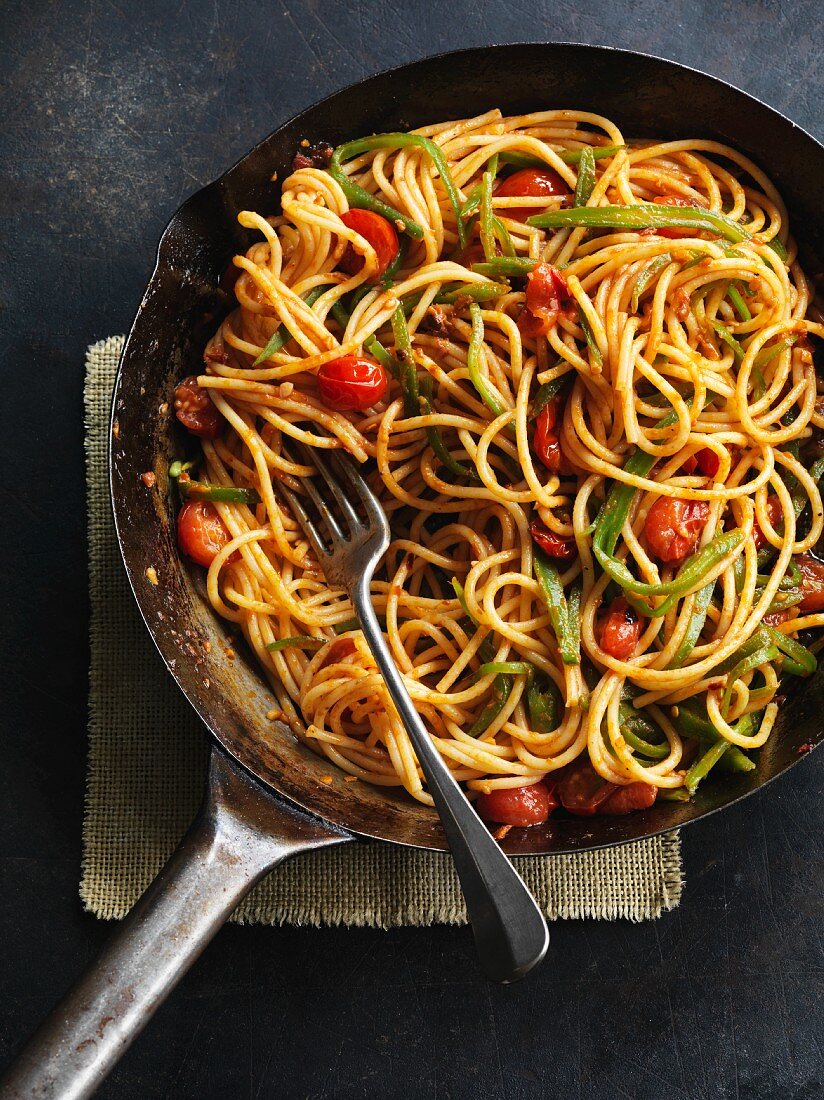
[{"x": 111, "y": 115}]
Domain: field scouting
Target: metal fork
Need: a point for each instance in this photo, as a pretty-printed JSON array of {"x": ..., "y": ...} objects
[{"x": 510, "y": 932}]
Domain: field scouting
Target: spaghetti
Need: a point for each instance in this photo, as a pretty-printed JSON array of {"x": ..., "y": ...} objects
[{"x": 579, "y": 374}]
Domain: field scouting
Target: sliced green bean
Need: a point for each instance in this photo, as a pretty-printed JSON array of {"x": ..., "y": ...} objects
[
  {"x": 647, "y": 216},
  {"x": 586, "y": 177}
]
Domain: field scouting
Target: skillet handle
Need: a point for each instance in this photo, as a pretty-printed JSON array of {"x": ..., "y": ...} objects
[{"x": 240, "y": 833}]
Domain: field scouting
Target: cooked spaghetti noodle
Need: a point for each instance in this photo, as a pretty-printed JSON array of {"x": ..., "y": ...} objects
[{"x": 666, "y": 359}]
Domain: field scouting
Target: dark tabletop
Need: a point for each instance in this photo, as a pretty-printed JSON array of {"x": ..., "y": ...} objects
[{"x": 111, "y": 115}]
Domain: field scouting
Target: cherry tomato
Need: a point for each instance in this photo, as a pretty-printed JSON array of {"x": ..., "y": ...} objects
[
  {"x": 200, "y": 532},
  {"x": 533, "y": 183},
  {"x": 352, "y": 383},
  {"x": 619, "y": 630},
  {"x": 674, "y": 232},
  {"x": 582, "y": 790},
  {"x": 627, "y": 799},
  {"x": 522, "y": 806},
  {"x": 340, "y": 648},
  {"x": 550, "y": 543},
  {"x": 545, "y": 441},
  {"x": 195, "y": 410},
  {"x": 546, "y": 288},
  {"x": 380, "y": 233},
  {"x": 775, "y": 512},
  {"x": 672, "y": 527},
  {"x": 812, "y": 583}
]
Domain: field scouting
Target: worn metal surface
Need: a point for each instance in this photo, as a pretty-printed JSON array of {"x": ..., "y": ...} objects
[{"x": 112, "y": 115}]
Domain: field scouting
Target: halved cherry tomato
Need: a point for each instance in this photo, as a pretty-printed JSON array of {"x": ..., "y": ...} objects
[
  {"x": 619, "y": 630},
  {"x": 521, "y": 806},
  {"x": 627, "y": 799},
  {"x": 352, "y": 383},
  {"x": 774, "y": 512},
  {"x": 545, "y": 441},
  {"x": 707, "y": 462},
  {"x": 200, "y": 532},
  {"x": 195, "y": 410},
  {"x": 553, "y": 545},
  {"x": 582, "y": 790},
  {"x": 674, "y": 232},
  {"x": 533, "y": 183},
  {"x": 673, "y": 525},
  {"x": 546, "y": 288},
  {"x": 380, "y": 233},
  {"x": 812, "y": 583}
]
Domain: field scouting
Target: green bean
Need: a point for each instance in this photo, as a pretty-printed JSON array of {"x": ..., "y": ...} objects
[
  {"x": 692, "y": 722},
  {"x": 645, "y": 278},
  {"x": 501, "y": 690},
  {"x": 586, "y": 177},
  {"x": 478, "y": 292},
  {"x": 590, "y": 339},
  {"x": 543, "y": 703},
  {"x": 568, "y": 156},
  {"x": 797, "y": 658},
  {"x": 779, "y": 249},
  {"x": 282, "y": 335},
  {"x": 436, "y": 442},
  {"x": 399, "y": 140},
  {"x": 700, "y": 606},
  {"x": 708, "y": 759},
  {"x": 728, "y": 339},
  {"x": 753, "y": 660},
  {"x": 227, "y": 494},
  {"x": 633, "y": 724},
  {"x": 565, "y": 617},
  {"x": 766, "y": 355},
  {"x": 388, "y": 277},
  {"x": 485, "y": 227},
  {"x": 301, "y": 641},
  {"x": 504, "y": 266},
  {"x": 647, "y": 216},
  {"x": 407, "y": 371},
  {"x": 506, "y": 668},
  {"x": 685, "y": 580},
  {"x": 544, "y": 394},
  {"x": 740, "y": 306},
  {"x": 487, "y": 392},
  {"x": 502, "y": 236}
]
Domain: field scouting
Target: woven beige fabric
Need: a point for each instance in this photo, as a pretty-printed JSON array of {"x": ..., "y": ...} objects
[{"x": 147, "y": 764}]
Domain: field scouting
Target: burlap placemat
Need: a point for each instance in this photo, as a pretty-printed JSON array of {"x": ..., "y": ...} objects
[{"x": 147, "y": 766}]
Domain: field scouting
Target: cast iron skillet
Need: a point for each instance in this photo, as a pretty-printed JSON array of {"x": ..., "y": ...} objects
[{"x": 245, "y": 827}]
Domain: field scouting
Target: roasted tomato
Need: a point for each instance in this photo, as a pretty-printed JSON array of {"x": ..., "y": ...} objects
[
  {"x": 533, "y": 183},
  {"x": 553, "y": 545},
  {"x": 340, "y": 648},
  {"x": 195, "y": 410},
  {"x": 545, "y": 441},
  {"x": 812, "y": 583},
  {"x": 352, "y": 383},
  {"x": 380, "y": 233},
  {"x": 582, "y": 790},
  {"x": 522, "y": 806},
  {"x": 627, "y": 799},
  {"x": 674, "y": 232},
  {"x": 546, "y": 289},
  {"x": 775, "y": 512},
  {"x": 619, "y": 630},
  {"x": 673, "y": 525},
  {"x": 200, "y": 532}
]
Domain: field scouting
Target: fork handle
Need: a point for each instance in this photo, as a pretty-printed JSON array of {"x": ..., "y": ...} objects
[{"x": 510, "y": 932}]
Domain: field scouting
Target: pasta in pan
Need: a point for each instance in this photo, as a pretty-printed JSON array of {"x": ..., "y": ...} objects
[{"x": 578, "y": 370}]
